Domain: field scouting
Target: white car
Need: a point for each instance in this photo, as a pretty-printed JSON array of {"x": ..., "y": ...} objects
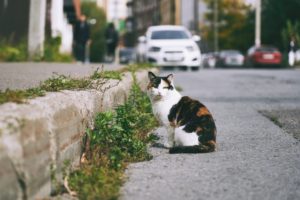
[{"x": 169, "y": 45}]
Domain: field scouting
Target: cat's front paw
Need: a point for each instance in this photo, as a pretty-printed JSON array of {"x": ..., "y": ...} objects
[{"x": 168, "y": 145}]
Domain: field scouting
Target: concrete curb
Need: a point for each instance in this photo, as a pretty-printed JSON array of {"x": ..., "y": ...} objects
[{"x": 36, "y": 138}]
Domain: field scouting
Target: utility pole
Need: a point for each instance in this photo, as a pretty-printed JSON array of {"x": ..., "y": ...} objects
[
  {"x": 258, "y": 23},
  {"x": 216, "y": 24},
  {"x": 196, "y": 17},
  {"x": 36, "y": 33},
  {"x": 115, "y": 16}
]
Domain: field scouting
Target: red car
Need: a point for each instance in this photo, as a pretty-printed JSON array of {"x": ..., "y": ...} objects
[{"x": 263, "y": 56}]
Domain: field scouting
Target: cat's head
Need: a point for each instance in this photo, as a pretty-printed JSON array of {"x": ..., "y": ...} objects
[{"x": 160, "y": 87}]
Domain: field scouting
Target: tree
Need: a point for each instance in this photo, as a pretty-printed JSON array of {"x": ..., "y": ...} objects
[
  {"x": 289, "y": 31},
  {"x": 276, "y": 14},
  {"x": 235, "y": 24}
]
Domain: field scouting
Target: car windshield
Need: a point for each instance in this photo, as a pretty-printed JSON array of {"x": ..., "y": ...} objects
[{"x": 169, "y": 35}]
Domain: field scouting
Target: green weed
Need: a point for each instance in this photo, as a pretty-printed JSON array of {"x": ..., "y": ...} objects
[
  {"x": 275, "y": 120},
  {"x": 61, "y": 82},
  {"x": 271, "y": 117},
  {"x": 136, "y": 67},
  {"x": 106, "y": 74},
  {"x": 18, "y": 96},
  {"x": 119, "y": 137},
  {"x": 53, "y": 84}
]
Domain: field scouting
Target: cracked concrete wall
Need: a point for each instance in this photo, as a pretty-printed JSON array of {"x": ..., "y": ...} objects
[{"x": 37, "y": 137}]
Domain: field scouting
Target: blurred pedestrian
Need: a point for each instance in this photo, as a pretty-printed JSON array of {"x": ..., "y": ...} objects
[
  {"x": 81, "y": 39},
  {"x": 112, "y": 39},
  {"x": 292, "y": 51}
]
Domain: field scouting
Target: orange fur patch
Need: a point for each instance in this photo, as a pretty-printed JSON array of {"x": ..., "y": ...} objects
[
  {"x": 212, "y": 144},
  {"x": 149, "y": 86},
  {"x": 203, "y": 111}
]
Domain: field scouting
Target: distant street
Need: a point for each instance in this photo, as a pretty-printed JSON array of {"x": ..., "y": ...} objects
[
  {"x": 26, "y": 75},
  {"x": 258, "y": 157}
]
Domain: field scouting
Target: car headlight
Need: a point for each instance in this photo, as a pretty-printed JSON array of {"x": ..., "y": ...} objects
[
  {"x": 154, "y": 49},
  {"x": 190, "y": 48}
]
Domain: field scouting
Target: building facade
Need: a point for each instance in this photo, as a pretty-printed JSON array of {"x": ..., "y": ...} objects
[
  {"x": 145, "y": 13},
  {"x": 25, "y": 20},
  {"x": 168, "y": 8}
]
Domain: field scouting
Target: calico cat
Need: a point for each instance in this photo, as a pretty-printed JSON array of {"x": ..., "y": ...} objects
[{"x": 190, "y": 126}]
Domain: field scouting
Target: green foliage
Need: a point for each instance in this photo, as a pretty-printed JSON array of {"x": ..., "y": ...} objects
[
  {"x": 291, "y": 29},
  {"x": 62, "y": 82},
  {"x": 12, "y": 53},
  {"x": 17, "y": 53},
  {"x": 136, "y": 67},
  {"x": 92, "y": 11},
  {"x": 275, "y": 17},
  {"x": 51, "y": 52},
  {"x": 122, "y": 133},
  {"x": 95, "y": 182},
  {"x": 53, "y": 84},
  {"x": 106, "y": 74},
  {"x": 119, "y": 137},
  {"x": 235, "y": 23},
  {"x": 18, "y": 96}
]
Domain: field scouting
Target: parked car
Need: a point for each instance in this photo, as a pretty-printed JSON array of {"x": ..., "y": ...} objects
[
  {"x": 230, "y": 58},
  {"x": 209, "y": 59},
  {"x": 127, "y": 55},
  {"x": 263, "y": 56},
  {"x": 169, "y": 45}
]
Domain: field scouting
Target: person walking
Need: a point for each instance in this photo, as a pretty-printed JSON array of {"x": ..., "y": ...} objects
[
  {"x": 81, "y": 39},
  {"x": 292, "y": 51},
  {"x": 112, "y": 39}
]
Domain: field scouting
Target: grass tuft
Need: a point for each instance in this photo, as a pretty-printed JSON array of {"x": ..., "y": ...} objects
[
  {"x": 119, "y": 137},
  {"x": 61, "y": 82},
  {"x": 106, "y": 74}
]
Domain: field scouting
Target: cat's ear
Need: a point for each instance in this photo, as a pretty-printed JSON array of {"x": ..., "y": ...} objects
[
  {"x": 170, "y": 78},
  {"x": 151, "y": 76}
]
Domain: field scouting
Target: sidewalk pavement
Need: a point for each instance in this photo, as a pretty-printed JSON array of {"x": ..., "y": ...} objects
[{"x": 258, "y": 157}]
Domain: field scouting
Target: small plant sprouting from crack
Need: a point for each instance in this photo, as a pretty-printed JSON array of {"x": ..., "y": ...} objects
[
  {"x": 275, "y": 121},
  {"x": 272, "y": 118}
]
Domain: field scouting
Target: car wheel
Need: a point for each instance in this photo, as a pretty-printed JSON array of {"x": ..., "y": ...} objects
[
  {"x": 183, "y": 68},
  {"x": 194, "y": 68},
  {"x": 219, "y": 64}
]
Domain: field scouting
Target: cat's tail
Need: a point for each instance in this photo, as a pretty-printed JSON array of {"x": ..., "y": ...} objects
[{"x": 209, "y": 146}]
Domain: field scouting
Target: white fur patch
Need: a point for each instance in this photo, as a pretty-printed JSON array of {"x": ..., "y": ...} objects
[{"x": 183, "y": 138}]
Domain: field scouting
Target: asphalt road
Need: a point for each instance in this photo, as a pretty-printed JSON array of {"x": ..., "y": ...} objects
[
  {"x": 256, "y": 158},
  {"x": 27, "y": 75}
]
